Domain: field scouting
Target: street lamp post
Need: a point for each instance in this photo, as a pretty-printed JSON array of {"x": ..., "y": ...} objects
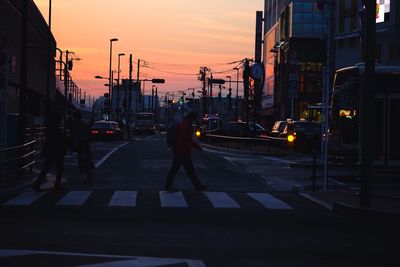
[
  {"x": 237, "y": 93},
  {"x": 118, "y": 85},
  {"x": 109, "y": 76}
]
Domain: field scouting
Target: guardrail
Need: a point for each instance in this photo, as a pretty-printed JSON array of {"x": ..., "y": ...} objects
[
  {"x": 259, "y": 143},
  {"x": 17, "y": 158}
]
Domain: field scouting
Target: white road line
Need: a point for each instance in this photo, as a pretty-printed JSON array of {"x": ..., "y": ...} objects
[
  {"x": 115, "y": 260},
  {"x": 269, "y": 201},
  {"x": 101, "y": 161},
  {"x": 124, "y": 199},
  {"x": 24, "y": 199},
  {"x": 221, "y": 200},
  {"x": 172, "y": 200},
  {"x": 74, "y": 198}
]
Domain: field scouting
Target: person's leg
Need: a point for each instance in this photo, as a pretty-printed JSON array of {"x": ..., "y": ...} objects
[
  {"x": 176, "y": 164},
  {"x": 189, "y": 168},
  {"x": 45, "y": 169},
  {"x": 60, "y": 171}
]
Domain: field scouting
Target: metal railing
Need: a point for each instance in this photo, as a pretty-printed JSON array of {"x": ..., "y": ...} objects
[
  {"x": 258, "y": 143},
  {"x": 17, "y": 158}
]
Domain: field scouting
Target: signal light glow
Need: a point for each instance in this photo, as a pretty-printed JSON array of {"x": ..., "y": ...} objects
[
  {"x": 290, "y": 138},
  {"x": 198, "y": 133}
]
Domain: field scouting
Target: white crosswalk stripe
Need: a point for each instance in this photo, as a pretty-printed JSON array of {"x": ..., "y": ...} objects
[
  {"x": 172, "y": 200},
  {"x": 124, "y": 199},
  {"x": 24, "y": 199},
  {"x": 218, "y": 200},
  {"x": 222, "y": 200},
  {"x": 269, "y": 201},
  {"x": 74, "y": 198}
]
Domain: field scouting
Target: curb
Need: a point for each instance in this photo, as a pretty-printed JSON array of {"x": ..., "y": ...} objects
[
  {"x": 347, "y": 209},
  {"x": 317, "y": 201}
]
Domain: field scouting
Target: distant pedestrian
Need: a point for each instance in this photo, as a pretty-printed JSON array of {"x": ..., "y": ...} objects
[
  {"x": 80, "y": 142},
  {"x": 182, "y": 153},
  {"x": 53, "y": 152}
]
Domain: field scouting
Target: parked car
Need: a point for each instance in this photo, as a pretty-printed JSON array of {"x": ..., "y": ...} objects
[
  {"x": 106, "y": 130},
  {"x": 278, "y": 128},
  {"x": 307, "y": 135},
  {"x": 242, "y": 129}
]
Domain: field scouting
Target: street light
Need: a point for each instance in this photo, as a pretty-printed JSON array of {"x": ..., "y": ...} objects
[
  {"x": 237, "y": 92},
  {"x": 119, "y": 70},
  {"x": 109, "y": 71}
]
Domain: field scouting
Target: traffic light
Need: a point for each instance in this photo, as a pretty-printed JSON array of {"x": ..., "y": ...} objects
[
  {"x": 181, "y": 101},
  {"x": 106, "y": 104}
]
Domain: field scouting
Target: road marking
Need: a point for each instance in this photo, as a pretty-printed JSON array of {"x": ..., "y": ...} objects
[
  {"x": 74, "y": 198},
  {"x": 269, "y": 201},
  {"x": 172, "y": 200},
  {"x": 101, "y": 161},
  {"x": 24, "y": 199},
  {"x": 116, "y": 260},
  {"x": 221, "y": 200},
  {"x": 317, "y": 201},
  {"x": 124, "y": 199}
]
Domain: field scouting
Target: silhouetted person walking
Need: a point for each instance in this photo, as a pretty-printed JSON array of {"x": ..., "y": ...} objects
[
  {"x": 53, "y": 151},
  {"x": 182, "y": 153},
  {"x": 80, "y": 142}
]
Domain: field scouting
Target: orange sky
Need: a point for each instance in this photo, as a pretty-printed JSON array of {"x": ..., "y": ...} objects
[{"x": 175, "y": 36}]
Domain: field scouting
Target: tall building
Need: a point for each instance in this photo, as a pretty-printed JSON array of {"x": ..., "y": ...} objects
[
  {"x": 348, "y": 17},
  {"x": 294, "y": 54}
]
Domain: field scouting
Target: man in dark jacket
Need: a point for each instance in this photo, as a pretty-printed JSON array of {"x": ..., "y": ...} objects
[
  {"x": 80, "y": 142},
  {"x": 182, "y": 153},
  {"x": 53, "y": 151}
]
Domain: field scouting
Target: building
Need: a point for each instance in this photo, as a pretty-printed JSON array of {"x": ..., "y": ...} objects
[
  {"x": 348, "y": 44},
  {"x": 36, "y": 49},
  {"x": 294, "y": 54}
]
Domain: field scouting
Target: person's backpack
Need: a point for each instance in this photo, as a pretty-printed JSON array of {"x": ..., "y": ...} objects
[{"x": 171, "y": 135}]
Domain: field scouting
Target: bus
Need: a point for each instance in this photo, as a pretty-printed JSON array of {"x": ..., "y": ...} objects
[
  {"x": 345, "y": 116},
  {"x": 145, "y": 123}
]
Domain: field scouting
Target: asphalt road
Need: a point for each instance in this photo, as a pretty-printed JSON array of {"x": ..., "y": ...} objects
[{"x": 248, "y": 217}]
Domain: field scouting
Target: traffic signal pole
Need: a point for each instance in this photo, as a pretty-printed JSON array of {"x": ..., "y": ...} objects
[{"x": 367, "y": 99}]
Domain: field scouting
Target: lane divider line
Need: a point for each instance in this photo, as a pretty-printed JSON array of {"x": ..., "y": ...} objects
[{"x": 101, "y": 161}]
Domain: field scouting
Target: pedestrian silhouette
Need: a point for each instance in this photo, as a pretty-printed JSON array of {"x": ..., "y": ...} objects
[
  {"x": 53, "y": 152},
  {"x": 80, "y": 143},
  {"x": 182, "y": 153}
]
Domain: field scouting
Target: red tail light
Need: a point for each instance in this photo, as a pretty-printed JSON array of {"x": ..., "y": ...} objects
[
  {"x": 109, "y": 132},
  {"x": 95, "y": 132}
]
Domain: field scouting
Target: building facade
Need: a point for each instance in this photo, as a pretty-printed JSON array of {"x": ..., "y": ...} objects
[
  {"x": 294, "y": 54},
  {"x": 36, "y": 70},
  {"x": 348, "y": 44}
]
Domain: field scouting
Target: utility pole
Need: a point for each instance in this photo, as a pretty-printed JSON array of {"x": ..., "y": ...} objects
[
  {"x": 66, "y": 83},
  {"x": 152, "y": 99},
  {"x": 237, "y": 93},
  {"x": 210, "y": 97},
  {"x": 138, "y": 85},
  {"x": 246, "y": 76},
  {"x": 156, "y": 105},
  {"x": 203, "y": 73},
  {"x": 367, "y": 102},
  {"x": 130, "y": 98},
  {"x": 49, "y": 71}
]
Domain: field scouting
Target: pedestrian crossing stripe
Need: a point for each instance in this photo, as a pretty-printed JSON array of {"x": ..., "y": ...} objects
[
  {"x": 173, "y": 200},
  {"x": 24, "y": 199},
  {"x": 219, "y": 200},
  {"x": 124, "y": 199},
  {"x": 75, "y": 198}
]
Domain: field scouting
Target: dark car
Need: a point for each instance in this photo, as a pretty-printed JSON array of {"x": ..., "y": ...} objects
[
  {"x": 307, "y": 135},
  {"x": 278, "y": 128},
  {"x": 106, "y": 130},
  {"x": 242, "y": 129}
]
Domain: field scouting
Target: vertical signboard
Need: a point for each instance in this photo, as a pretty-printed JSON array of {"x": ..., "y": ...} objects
[
  {"x": 293, "y": 74},
  {"x": 258, "y": 43}
]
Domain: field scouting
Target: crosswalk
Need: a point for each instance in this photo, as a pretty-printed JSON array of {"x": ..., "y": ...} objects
[{"x": 161, "y": 199}]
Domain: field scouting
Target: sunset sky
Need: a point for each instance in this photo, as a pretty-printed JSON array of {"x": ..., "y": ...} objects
[{"x": 172, "y": 36}]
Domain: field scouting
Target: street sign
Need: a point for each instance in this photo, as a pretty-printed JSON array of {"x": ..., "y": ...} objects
[
  {"x": 293, "y": 74},
  {"x": 293, "y": 88}
]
